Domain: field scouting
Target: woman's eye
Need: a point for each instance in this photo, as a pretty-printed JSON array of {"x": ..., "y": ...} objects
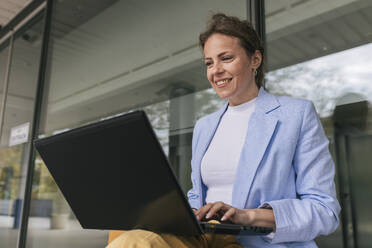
[
  {"x": 226, "y": 58},
  {"x": 208, "y": 64}
]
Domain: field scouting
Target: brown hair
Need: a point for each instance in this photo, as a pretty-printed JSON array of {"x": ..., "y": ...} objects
[{"x": 243, "y": 30}]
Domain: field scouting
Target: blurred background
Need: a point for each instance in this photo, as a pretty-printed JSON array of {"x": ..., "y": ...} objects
[{"x": 108, "y": 57}]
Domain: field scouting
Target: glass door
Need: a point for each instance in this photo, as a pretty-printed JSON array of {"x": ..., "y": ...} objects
[{"x": 19, "y": 66}]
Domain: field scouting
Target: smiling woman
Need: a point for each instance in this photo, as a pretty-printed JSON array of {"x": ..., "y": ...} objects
[{"x": 245, "y": 175}]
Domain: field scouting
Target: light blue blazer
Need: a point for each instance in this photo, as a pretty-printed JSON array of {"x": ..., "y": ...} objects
[{"x": 285, "y": 165}]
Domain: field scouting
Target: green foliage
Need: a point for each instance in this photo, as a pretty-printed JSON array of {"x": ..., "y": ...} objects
[
  {"x": 43, "y": 185},
  {"x": 10, "y": 172}
]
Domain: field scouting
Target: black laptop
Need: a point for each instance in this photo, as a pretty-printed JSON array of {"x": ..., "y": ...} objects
[{"x": 115, "y": 175}]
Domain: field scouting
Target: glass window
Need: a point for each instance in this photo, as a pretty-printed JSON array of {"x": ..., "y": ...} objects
[
  {"x": 110, "y": 57},
  {"x": 3, "y": 60},
  {"x": 15, "y": 137},
  {"x": 319, "y": 50}
]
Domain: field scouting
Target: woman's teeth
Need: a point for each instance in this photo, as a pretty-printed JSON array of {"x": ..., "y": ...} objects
[{"x": 223, "y": 81}]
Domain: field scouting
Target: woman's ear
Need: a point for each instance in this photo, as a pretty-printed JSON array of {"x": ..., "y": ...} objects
[{"x": 256, "y": 59}]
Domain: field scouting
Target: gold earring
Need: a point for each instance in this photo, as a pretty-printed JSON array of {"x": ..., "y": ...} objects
[{"x": 255, "y": 72}]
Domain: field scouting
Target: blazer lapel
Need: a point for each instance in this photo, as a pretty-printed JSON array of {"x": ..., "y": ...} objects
[{"x": 260, "y": 130}]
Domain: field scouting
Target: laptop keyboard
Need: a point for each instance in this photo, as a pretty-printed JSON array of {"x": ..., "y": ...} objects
[{"x": 230, "y": 228}]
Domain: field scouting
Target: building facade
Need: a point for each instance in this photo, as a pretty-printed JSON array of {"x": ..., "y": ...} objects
[{"x": 66, "y": 63}]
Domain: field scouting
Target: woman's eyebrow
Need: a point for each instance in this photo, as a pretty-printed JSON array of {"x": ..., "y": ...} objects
[{"x": 219, "y": 55}]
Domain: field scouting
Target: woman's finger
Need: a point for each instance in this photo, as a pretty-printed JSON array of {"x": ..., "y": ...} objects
[
  {"x": 201, "y": 212},
  {"x": 229, "y": 214},
  {"x": 217, "y": 207}
]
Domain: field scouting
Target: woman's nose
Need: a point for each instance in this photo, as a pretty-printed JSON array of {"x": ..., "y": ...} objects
[{"x": 218, "y": 68}]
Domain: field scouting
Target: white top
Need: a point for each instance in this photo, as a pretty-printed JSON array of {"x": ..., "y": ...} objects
[{"x": 219, "y": 163}]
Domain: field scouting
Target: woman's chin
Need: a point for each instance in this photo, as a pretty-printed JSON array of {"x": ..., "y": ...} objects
[{"x": 224, "y": 95}]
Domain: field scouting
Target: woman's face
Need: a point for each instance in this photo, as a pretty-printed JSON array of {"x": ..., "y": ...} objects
[{"x": 229, "y": 69}]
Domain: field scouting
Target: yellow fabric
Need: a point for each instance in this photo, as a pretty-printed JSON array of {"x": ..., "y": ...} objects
[
  {"x": 147, "y": 239},
  {"x": 113, "y": 235}
]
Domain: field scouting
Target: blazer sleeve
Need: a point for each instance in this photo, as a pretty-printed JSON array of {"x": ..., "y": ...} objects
[
  {"x": 315, "y": 210},
  {"x": 194, "y": 193}
]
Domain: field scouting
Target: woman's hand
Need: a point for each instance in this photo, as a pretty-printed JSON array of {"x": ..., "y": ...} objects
[{"x": 224, "y": 212}]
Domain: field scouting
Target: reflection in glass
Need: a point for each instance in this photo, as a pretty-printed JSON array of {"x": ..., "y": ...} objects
[
  {"x": 18, "y": 112},
  {"x": 324, "y": 56},
  {"x": 339, "y": 78},
  {"x": 10, "y": 195},
  {"x": 3, "y": 60}
]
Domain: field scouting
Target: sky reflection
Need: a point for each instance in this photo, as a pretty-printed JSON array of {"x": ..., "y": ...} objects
[{"x": 328, "y": 81}]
